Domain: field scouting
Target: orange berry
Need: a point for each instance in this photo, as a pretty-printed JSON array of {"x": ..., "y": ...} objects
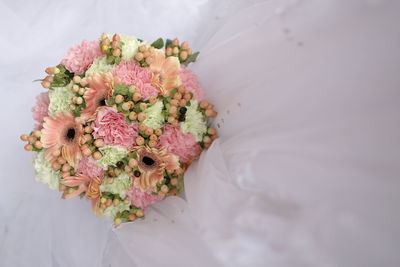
[
  {"x": 153, "y": 137},
  {"x": 209, "y": 112},
  {"x": 158, "y": 132},
  {"x": 175, "y": 41},
  {"x": 56, "y": 153},
  {"x": 206, "y": 139},
  {"x": 132, "y": 217},
  {"x": 98, "y": 142},
  {"x": 136, "y": 96},
  {"x": 181, "y": 89},
  {"x": 116, "y": 52},
  {"x": 28, "y": 147},
  {"x": 142, "y": 127},
  {"x": 203, "y": 104},
  {"x": 183, "y": 55},
  {"x": 174, "y": 102},
  {"x": 211, "y": 131},
  {"x": 97, "y": 155},
  {"x": 32, "y": 139},
  {"x": 45, "y": 84},
  {"x": 56, "y": 166},
  {"x": 38, "y": 145},
  {"x": 148, "y": 131},
  {"x": 132, "y": 116},
  {"x": 66, "y": 167},
  {"x": 174, "y": 181},
  {"x": 142, "y": 48},
  {"x": 152, "y": 143},
  {"x": 133, "y": 163},
  {"x": 87, "y": 152},
  {"x": 142, "y": 116},
  {"x": 24, "y": 137},
  {"x": 116, "y": 37},
  {"x": 139, "y": 56},
  {"x": 182, "y": 102},
  {"x": 139, "y": 141},
  {"x": 61, "y": 160},
  {"x": 173, "y": 110},
  {"x": 184, "y": 45},
  {"x": 177, "y": 96}
]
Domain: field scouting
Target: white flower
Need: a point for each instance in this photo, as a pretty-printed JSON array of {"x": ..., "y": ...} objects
[
  {"x": 99, "y": 65},
  {"x": 194, "y": 122},
  {"x": 60, "y": 99},
  {"x": 155, "y": 118},
  {"x": 44, "y": 171}
]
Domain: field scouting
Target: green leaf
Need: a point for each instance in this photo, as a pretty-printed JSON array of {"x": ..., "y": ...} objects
[
  {"x": 117, "y": 60},
  {"x": 159, "y": 43},
  {"x": 110, "y": 59},
  {"x": 191, "y": 58},
  {"x": 121, "y": 89},
  {"x": 168, "y": 42},
  {"x": 76, "y": 112}
]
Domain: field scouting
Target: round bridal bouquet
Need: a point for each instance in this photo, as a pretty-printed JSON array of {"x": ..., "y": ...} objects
[{"x": 120, "y": 122}]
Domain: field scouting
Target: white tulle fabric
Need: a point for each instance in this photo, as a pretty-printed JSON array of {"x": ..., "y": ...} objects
[{"x": 306, "y": 169}]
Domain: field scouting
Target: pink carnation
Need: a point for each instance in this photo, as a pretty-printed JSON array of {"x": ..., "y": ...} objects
[
  {"x": 80, "y": 57},
  {"x": 142, "y": 199},
  {"x": 131, "y": 73},
  {"x": 113, "y": 128},
  {"x": 87, "y": 166},
  {"x": 192, "y": 84},
  {"x": 40, "y": 110},
  {"x": 178, "y": 143}
]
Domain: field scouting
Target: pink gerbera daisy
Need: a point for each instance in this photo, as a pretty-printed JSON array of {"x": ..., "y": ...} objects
[
  {"x": 165, "y": 70},
  {"x": 100, "y": 89},
  {"x": 63, "y": 132}
]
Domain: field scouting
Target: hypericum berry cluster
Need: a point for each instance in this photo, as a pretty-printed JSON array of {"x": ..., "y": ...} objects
[
  {"x": 33, "y": 140},
  {"x": 182, "y": 51},
  {"x": 112, "y": 48}
]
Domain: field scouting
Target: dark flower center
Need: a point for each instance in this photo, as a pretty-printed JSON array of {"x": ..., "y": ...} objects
[
  {"x": 120, "y": 164},
  {"x": 102, "y": 102},
  {"x": 70, "y": 135},
  {"x": 148, "y": 161},
  {"x": 137, "y": 173}
]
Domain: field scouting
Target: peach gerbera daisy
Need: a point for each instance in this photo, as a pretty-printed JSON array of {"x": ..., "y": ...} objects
[
  {"x": 85, "y": 184},
  {"x": 152, "y": 163},
  {"x": 63, "y": 132},
  {"x": 164, "y": 70},
  {"x": 100, "y": 89}
]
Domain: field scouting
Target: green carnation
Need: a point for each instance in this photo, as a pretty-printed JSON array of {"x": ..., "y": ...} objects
[
  {"x": 60, "y": 99},
  {"x": 119, "y": 186},
  {"x": 111, "y": 155},
  {"x": 112, "y": 210},
  {"x": 194, "y": 122},
  {"x": 99, "y": 65},
  {"x": 44, "y": 171},
  {"x": 155, "y": 117}
]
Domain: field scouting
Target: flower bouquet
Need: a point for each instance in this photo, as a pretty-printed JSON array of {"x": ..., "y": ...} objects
[{"x": 120, "y": 122}]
